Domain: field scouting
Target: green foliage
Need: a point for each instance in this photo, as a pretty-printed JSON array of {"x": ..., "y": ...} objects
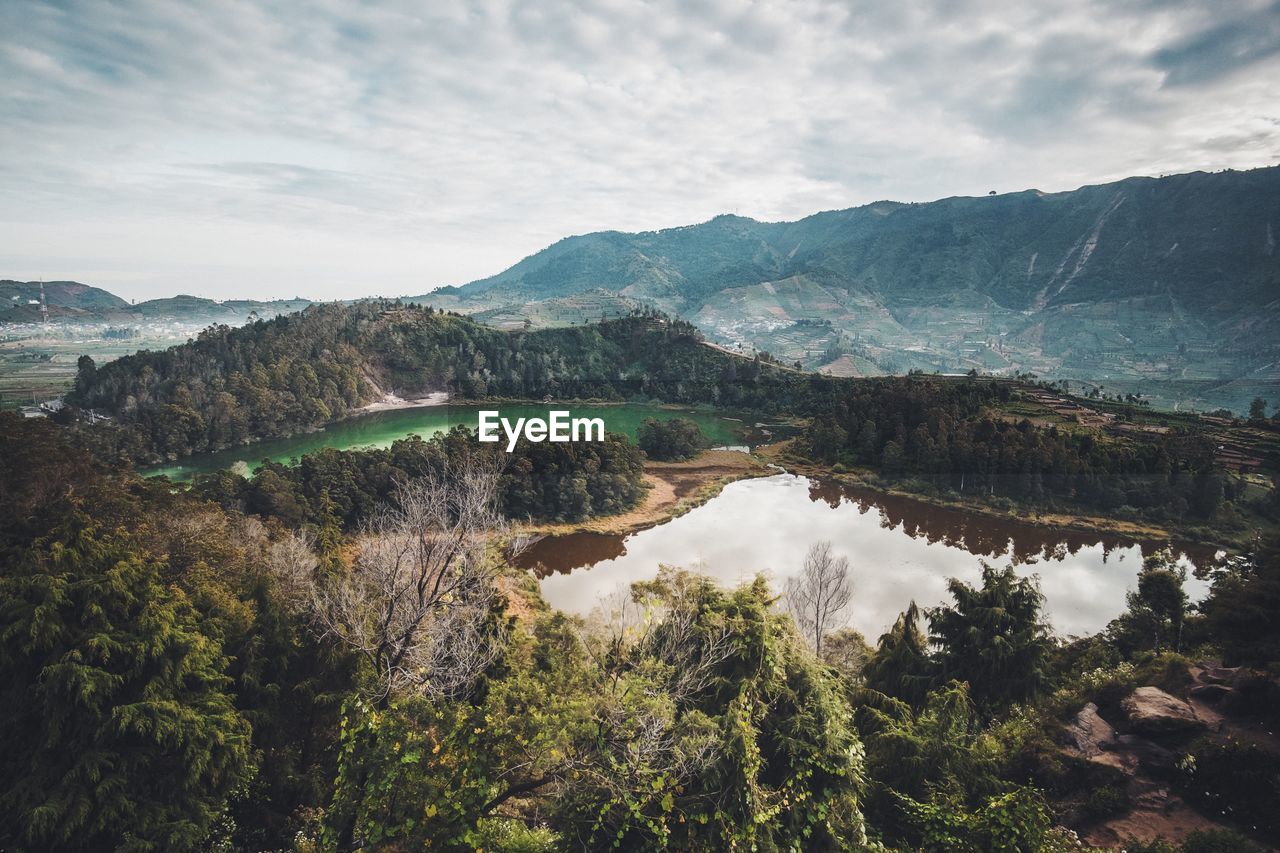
[
  {"x": 411, "y": 773},
  {"x": 1010, "y": 823},
  {"x": 1241, "y": 608},
  {"x": 944, "y": 433},
  {"x": 339, "y": 489},
  {"x": 119, "y": 726},
  {"x": 1106, "y": 801},
  {"x": 993, "y": 638},
  {"x": 1157, "y": 609},
  {"x": 274, "y": 378},
  {"x": 901, "y": 666},
  {"x": 1235, "y": 780},
  {"x": 706, "y": 726},
  {"x": 1218, "y": 841},
  {"x": 670, "y": 440},
  {"x": 937, "y": 752}
]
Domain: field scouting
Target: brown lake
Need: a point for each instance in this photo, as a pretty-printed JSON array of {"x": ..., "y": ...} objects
[{"x": 899, "y": 549}]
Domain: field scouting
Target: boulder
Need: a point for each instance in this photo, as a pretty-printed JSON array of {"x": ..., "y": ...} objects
[
  {"x": 1151, "y": 757},
  {"x": 1091, "y": 733},
  {"x": 1151, "y": 711},
  {"x": 1211, "y": 693}
]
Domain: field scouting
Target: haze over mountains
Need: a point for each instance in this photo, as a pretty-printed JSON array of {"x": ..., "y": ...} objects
[{"x": 1169, "y": 286}]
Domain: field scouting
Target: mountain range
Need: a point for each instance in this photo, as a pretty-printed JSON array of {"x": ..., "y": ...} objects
[
  {"x": 71, "y": 301},
  {"x": 1166, "y": 286},
  {"x": 1172, "y": 280}
]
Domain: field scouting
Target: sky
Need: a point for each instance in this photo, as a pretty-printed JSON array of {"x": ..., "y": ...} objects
[{"x": 334, "y": 150}]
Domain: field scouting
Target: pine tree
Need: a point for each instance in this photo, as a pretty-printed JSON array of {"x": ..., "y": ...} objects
[
  {"x": 114, "y": 708},
  {"x": 993, "y": 638},
  {"x": 901, "y": 666}
]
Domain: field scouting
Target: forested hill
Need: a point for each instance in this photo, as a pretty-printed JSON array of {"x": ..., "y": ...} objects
[
  {"x": 296, "y": 372},
  {"x": 1151, "y": 278}
]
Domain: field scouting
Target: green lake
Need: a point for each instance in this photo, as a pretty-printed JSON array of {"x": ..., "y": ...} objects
[{"x": 380, "y": 429}]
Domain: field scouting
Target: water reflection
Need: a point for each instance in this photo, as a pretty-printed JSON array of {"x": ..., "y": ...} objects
[{"x": 900, "y": 550}]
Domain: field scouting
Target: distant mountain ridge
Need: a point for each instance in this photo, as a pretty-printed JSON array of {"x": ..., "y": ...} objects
[
  {"x": 1166, "y": 280},
  {"x": 72, "y": 301}
]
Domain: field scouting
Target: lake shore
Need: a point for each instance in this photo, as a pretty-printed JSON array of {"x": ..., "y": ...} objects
[
  {"x": 780, "y": 454},
  {"x": 392, "y": 402},
  {"x": 674, "y": 489}
]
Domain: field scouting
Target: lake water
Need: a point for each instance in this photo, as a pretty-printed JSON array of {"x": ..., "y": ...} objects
[
  {"x": 899, "y": 550},
  {"x": 381, "y": 429}
]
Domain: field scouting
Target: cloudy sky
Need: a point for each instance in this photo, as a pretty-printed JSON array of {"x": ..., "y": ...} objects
[{"x": 339, "y": 149}]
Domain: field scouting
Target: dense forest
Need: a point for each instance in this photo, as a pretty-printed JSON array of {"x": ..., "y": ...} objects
[
  {"x": 670, "y": 440},
  {"x": 339, "y": 489},
  {"x": 949, "y": 436},
  {"x": 286, "y": 662}
]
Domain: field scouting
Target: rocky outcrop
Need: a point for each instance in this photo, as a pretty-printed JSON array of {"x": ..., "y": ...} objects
[
  {"x": 1151, "y": 711},
  {"x": 1092, "y": 734}
]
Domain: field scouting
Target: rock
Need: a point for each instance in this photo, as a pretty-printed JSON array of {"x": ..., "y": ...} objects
[
  {"x": 1212, "y": 693},
  {"x": 1152, "y": 757},
  {"x": 1091, "y": 733},
  {"x": 1219, "y": 674},
  {"x": 1151, "y": 711}
]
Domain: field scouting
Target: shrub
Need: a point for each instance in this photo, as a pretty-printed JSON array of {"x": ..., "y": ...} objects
[
  {"x": 1235, "y": 780},
  {"x": 1217, "y": 841},
  {"x": 671, "y": 440},
  {"x": 1106, "y": 801}
]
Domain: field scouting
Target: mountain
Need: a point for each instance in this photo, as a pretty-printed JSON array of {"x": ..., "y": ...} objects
[
  {"x": 1170, "y": 284},
  {"x": 63, "y": 299},
  {"x": 71, "y": 301}
]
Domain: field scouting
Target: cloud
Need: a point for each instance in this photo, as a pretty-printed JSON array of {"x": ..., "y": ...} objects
[{"x": 424, "y": 144}]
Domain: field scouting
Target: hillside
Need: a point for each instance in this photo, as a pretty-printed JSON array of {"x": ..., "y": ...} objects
[
  {"x": 21, "y": 299},
  {"x": 1168, "y": 282},
  {"x": 71, "y": 301},
  {"x": 274, "y": 378}
]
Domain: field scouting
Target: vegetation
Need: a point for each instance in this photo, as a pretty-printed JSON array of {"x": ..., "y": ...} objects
[
  {"x": 670, "y": 440},
  {"x": 336, "y": 655},
  {"x": 951, "y": 437},
  {"x": 386, "y": 682},
  {"x": 340, "y": 489},
  {"x": 296, "y": 372}
]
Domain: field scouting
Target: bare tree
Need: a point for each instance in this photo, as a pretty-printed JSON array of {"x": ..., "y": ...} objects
[
  {"x": 292, "y": 562},
  {"x": 418, "y": 603},
  {"x": 819, "y": 593}
]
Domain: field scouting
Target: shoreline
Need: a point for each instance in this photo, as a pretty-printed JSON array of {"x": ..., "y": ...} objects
[
  {"x": 678, "y": 487},
  {"x": 1075, "y": 522},
  {"x": 393, "y": 402},
  {"x": 675, "y": 488}
]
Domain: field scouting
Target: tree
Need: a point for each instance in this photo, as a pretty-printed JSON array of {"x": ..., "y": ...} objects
[
  {"x": 86, "y": 372},
  {"x": 901, "y": 667},
  {"x": 819, "y": 593},
  {"x": 1257, "y": 409},
  {"x": 670, "y": 440},
  {"x": 1242, "y": 605},
  {"x": 118, "y": 727},
  {"x": 846, "y": 650},
  {"x": 826, "y": 438},
  {"x": 993, "y": 638},
  {"x": 1157, "y": 608},
  {"x": 419, "y": 602}
]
